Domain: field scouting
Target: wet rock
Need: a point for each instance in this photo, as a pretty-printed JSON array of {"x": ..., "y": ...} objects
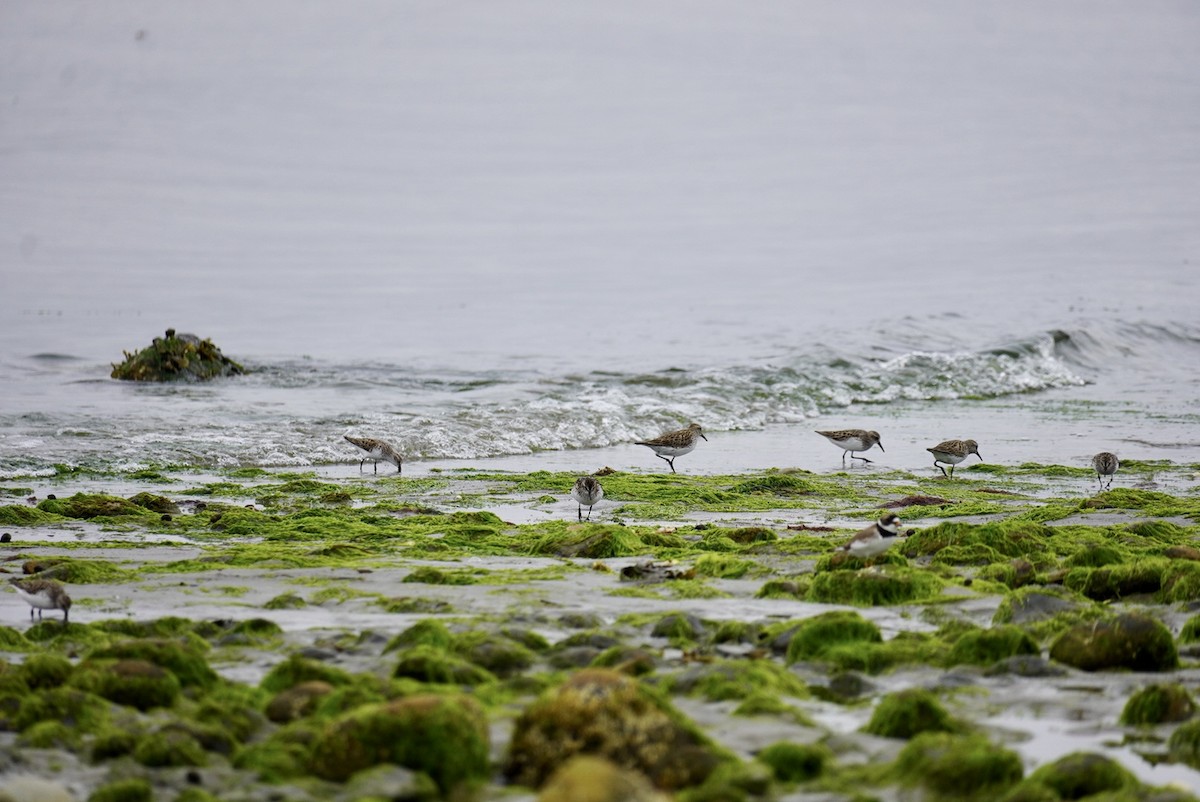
[
  {"x": 1083, "y": 774},
  {"x": 1025, "y": 665},
  {"x": 1157, "y": 704},
  {"x": 1032, "y": 605},
  {"x": 182, "y": 357},
  {"x": 606, "y": 714},
  {"x": 679, "y": 627},
  {"x": 1132, "y": 641},
  {"x": 581, "y": 621},
  {"x": 584, "y": 778},
  {"x": 297, "y": 701},
  {"x": 32, "y": 789},
  {"x": 910, "y": 712},
  {"x": 444, "y": 736},
  {"x": 391, "y": 782},
  {"x": 575, "y": 656}
]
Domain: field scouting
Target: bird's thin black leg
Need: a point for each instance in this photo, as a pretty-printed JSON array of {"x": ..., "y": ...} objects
[{"x": 940, "y": 468}]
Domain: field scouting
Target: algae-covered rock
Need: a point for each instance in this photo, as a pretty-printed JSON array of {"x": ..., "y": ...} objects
[
  {"x": 427, "y": 664},
  {"x": 444, "y": 736},
  {"x": 91, "y": 505},
  {"x": 1083, "y": 774},
  {"x": 959, "y": 767},
  {"x": 883, "y": 585},
  {"x": 1184, "y": 744},
  {"x": 426, "y": 632},
  {"x": 1110, "y": 582},
  {"x": 45, "y": 671},
  {"x": 817, "y": 635},
  {"x": 134, "y": 789},
  {"x": 910, "y": 712},
  {"x": 986, "y": 646},
  {"x": 1132, "y": 640},
  {"x": 155, "y": 503},
  {"x": 793, "y": 763},
  {"x": 297, "y": 701},
  {"x": 169, "y": 747},
  {"x": 87, "y": 712},
  {"x": 297, "y": 669},
  {"x": 585, "y": 778},
  {"x": 495, "y": 653},
  {"x": 182, "y": 657},
  {"x": 135, "y": 683},
  {"x": 1158, "y": 703},
  {"x": 182, "y": 357},
  {"x": 606, "y": 714}
]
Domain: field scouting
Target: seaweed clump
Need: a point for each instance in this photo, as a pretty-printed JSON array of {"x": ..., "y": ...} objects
[{"x": 182, "y": 357}]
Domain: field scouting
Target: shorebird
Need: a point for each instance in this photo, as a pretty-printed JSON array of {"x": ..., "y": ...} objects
[
  {"x": 875, "y": 539},
  {"x": 43, "y": 594},
  {"x": 953, "y": 452},
  {"x": 675, "y": 444},
  {"x": 1106, "y": 464},
  {"x": 587, "y": 491},
  {"x": 852, "y": 440},
  {"x": 376, "y": 450}
]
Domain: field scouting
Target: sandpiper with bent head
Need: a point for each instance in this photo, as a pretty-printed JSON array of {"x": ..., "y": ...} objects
[
  {"x": 43, "y": 594},
  {"x": 1106, "y": 464},
  {"x": 675, "y": 444},
  {"x": 953, "y": 452},
  {"x": 852, "y": 440},
  {"x": 376, "y": 450},
  {"x": 587, "y": 492},
  {"x": 875, "y": 539}
]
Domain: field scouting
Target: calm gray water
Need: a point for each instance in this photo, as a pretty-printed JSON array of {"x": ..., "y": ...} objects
[{"x": 535, "y": 232}]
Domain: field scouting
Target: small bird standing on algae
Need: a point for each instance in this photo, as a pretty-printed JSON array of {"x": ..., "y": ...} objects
[
  {"x": 376, "y": 450},
  {"x": 953, "y": 452},
  {"x": 43, "y": 594},
  {"x": 675, "y": 444},
  {"x": 875, "y": 539},
  {"x": 1106, "y": 464},
  {"x": 587, "y": 492}
]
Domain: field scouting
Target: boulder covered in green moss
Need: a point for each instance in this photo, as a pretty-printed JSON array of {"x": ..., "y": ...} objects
[
  {"x": 444, "y": 736},
  {"x": 297, "y": 701},
  {"x": 910, "y": 712},
  {"x": 1157, "y": 704},
  {"x": 986, "y": 646},
  {"x": 586, "y": 778},
  {"x": 606, "y": 714},
  {"x": 180, "y": 656},
  {"x": 879, "y": 586},
  {"x": 793, "y": 763},
  {"x": 131, "y": 682},
  {"x": 1083, "y": 774},
  {"x": 176, "y": 357},
  {"x": 959, "y": 766},
  {"x": 1184, "y": 744},
  {"x": 818, "y": 635},
  {"x": 1132, "y": 641}
]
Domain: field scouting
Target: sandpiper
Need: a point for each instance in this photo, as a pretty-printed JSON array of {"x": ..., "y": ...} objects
[
  {"x": 1106, "y": 464},
  {"x": 953, "y": 452},
  {"x": 852, "y": 440},
  {"x": 43, "y": 594},
  {"x": 875, "y": 539},
  {"x": 376, "y": 450},
  {"x": 675, "y": 444},
  {"x": 587, "y": 492}
]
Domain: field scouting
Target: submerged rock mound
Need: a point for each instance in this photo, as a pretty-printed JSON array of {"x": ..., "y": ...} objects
[{"x": 176, "y": 357}]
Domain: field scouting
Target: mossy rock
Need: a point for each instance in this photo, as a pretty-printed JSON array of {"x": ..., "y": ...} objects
[
  {"x": 49, "y": 735},
  {"x": 40, "y": 671},
  {"x": 1008, "y": 538},
  {"x": 12, "y": 640},
  {"x": 87, "y": 712},
  {"x": 131, "y": 682},
  {"x": 585, "y": 778},
  {"x": 881, "y": 586},
  {"x": 959, "y": 766},
  {"x": 182, "y": 357},
  {"x": 426, "y": 632},
  {"x": 155, "y": 503},
  {"x": 1184, "y": 744},
  {"x": 1157, "y": 704},
  {"x": 1180, "y": 582},
  {"x": 985, "y": 646},
  {"x": 277, "y": 759},
  {"x": 134, "y": 789},
  {"x": 428, "y": 575},
  {"x": 1096, "y": 555},
  {"x": 91, "y": 505},
  {"x": 1189, "y": 633},
  {"x": 1032, "y": 604},
  {"x": 296, "y": 669},
  {"x": 444, "y": 736},
  {"x": 607, "y": 714},
  {"x": 285, "y": 601},
  {"x": 737, "y": 679},
  {"x": 298, "y": 701},
  {"x": 815, "y": 636},
  {"x": 795, "y": 763},
  {"x": 20, "y": 515},
  {"x": 427, "y": 664},
  {"x": 1083, "y": 774},
  {"x": 1113, "y": 582},
  {"x": 909, "y": 712},
  {"x": 182, "y": 657},
  {"x": 169, "y": 748},
  {"x": 592, "y": 542},
  {"x": 114, "y": 743},
  {"x": 678, "y": 628},
  {"x": 1131, "y": 641},
  {"x": 497, "y": 654},
  {"x": 1016, "y": 573},
  {"x": 75, "y": 572}
]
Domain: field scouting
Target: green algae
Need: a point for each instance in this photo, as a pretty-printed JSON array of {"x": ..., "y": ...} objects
[
  {"x": 1083, "y": 774},
  {"x": 285, "y": 601},
  {"x": 296, "y": 669},
  {"x": 959, "y": 767},
  {"x": 1158, "y": 703},
  {"x": 427, "y": 632},
  {"x": 1184, "y": 744},
  {"x": 1132, "y": 640},
  {"x": 428, "y": 664},
  {"x": 134, "y": 789},
  {"x": 131, "y": 682},
  {"x": 69, "y": 570},
  {"x": 907, "y": 713},
  {"x": 816, "y": 636},
  {"x": 185, "y": 357},
  {"x": 19, "y": 515},
  {"x": 184, "y": 658},
  {"x": 987, "y": 646},
  {"x": 726, "y": 680},
  {"x": 882, "y": 585}
]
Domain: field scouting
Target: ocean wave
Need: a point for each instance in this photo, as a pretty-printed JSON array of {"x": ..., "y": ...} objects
[{"x": 295, "y": 413}]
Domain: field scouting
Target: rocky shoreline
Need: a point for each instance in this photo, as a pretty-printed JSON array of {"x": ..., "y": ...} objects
[{"x": 280, "y": 635}]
